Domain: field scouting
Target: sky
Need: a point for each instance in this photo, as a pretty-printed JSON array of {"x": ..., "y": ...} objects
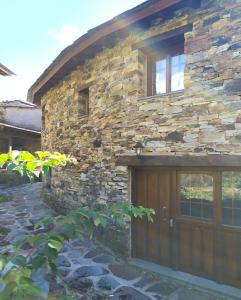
[{"x": 34, "y": 32}]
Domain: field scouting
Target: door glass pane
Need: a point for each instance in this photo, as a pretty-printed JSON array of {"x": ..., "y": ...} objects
[
  {"x": 196, "y": 195},
  {"x": 177, "y": 72},
  {"x": 207, "y": 211},
  {"x": 161, "y": 67},
  {"x": 231, "y": 198}
]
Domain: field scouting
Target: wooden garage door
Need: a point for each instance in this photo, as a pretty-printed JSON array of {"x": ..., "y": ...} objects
[{"x": 197, "y": 226}]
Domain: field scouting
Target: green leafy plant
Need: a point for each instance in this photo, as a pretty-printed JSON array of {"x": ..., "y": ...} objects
[
  {"x": 31, "y": 165},
  {"x": 4, "y": 198},
  {"x": 43, "y": 248}
]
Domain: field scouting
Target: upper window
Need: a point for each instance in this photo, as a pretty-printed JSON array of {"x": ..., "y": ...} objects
[
  {"x": 83, "y": 109},
  {"x": 165, "y": 67}
]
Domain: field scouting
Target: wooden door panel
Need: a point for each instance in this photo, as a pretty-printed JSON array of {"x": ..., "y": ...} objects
[
  {"x": 139, "y": 234},
  {"x": 231, "y": 259},
  {"x": 208, "y": 253},
  {"x": 153, "y": 229},
  {"x": 196, "y": 246},
  {"x": 196, "y": 249},
  {"x": 151, "y": 241},
  {"x": 164, "y": 211},
  {"x": 184, "y": 247}
]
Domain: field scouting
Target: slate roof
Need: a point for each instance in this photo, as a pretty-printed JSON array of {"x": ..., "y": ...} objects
[{"x": 21, "y": 115}]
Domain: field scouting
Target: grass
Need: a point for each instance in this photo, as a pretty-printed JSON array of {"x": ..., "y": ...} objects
[{"x": 4, "y": 198}]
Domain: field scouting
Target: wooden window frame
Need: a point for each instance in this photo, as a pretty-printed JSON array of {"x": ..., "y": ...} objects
[
  {"x": 82, "y": 91},
  {"x": 167, "y": 54},
  {"x": 216, "y": 172},
  {"x": 178, "y": 187}
]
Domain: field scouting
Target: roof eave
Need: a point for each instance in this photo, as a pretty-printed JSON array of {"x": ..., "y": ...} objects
[
  {"x": 4, "y": 71},
  {"x": 118, "y": 23}
]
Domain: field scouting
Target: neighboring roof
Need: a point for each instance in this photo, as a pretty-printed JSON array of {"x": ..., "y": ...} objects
[
  {"x": 4, "y": 71},
  {"x": 16, "y": 103},
  {"x": 21, "y": 115},
  {"x": 19, "y": 128},
  {"x": 67, "y": 59}
]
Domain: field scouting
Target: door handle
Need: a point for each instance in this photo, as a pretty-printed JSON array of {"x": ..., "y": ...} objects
[
  {"x": 164, "y": 213},
  {"x": 171, "y": 223}
]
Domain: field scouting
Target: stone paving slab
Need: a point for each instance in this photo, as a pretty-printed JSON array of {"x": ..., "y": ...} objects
[{"x": 88, "y": 269}]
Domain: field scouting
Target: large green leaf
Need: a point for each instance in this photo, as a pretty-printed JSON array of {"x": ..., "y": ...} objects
[
  {"x": 3, "y": 159},
  {"x": 20, "y": 260},
  {"x": 38, "y": 261}
]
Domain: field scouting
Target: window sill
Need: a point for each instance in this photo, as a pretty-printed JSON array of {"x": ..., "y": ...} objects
[
  {"x": 170, "y": 94},
  {"x": 83, "y": 117}
]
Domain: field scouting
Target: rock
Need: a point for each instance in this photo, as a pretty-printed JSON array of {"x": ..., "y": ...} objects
[
  {"x": 22, "y": 214},
  {"x": 165, "y": 288},
  {"x": 124, "y": 271},
  {"x": 87, "y": 271},
  {"x": 107, "y": 283},
  {"x": 7, "y": 222},
  {"x": 175, "y": 136},
  {"x": 64, "y": 271},
  {"x": 158, "y": 297},
  {"x": 29, "y": 227},
  {"x": 235, "y": 46},
  {"x": 94, "y": 295},
  {"x": 80, "y": 284},
  {"x": 79, "y": 243},
  {"x": 41, "y": 282},
  {"x": 150, "y": 106},
  {"x": 93, "y": 253},
  {"x": 62, "y": 261},
  {"x": 64, "y": 249},
  {"x": 128, "y": 293},
  {"x": 74, "y": 253},
  {"x": 233, "y": 86},
  {"x": 144, "y": 281},
  {"x": 104, "y": 258},
  {"x": 212, "y": 137},
  {"x": 211, "y": 20}
]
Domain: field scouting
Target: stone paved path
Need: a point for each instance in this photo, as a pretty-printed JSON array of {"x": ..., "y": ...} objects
[{"x": 88, "y": 269}]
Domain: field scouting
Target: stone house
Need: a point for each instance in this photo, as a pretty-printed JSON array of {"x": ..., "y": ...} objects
[
  {"x": 162, "y": 78},
  {"x": 20, "y": 126}
]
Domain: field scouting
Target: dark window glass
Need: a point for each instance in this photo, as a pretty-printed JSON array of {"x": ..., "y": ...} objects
[
  {"x": 207, "y": 211},
  {"x": 237, "y": 217},
  {"x": 185, "y": 208},
  {"x": 231, "y": 198},
  {"x": 83, "y": 103},
  {"x": 196, "y": 193}
]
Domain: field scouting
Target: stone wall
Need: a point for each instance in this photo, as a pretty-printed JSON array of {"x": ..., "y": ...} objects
[{"x": 205, "y": 118}]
